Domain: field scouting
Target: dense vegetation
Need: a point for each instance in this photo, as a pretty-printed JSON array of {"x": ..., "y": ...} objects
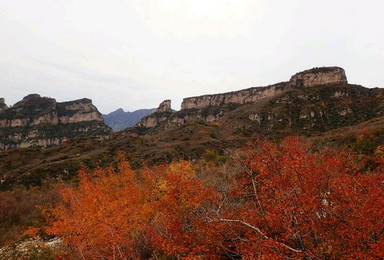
[{"x": 268, "y": 201}]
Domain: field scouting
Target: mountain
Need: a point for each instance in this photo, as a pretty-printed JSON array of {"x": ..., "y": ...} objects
[
  {"x": 39, "y": 121},
  {"x": 318, "y": 105},
  {"x": 273, "y": 104},
  {"x": 311, "y": 103},
  {"x": 119, "y": 119}
]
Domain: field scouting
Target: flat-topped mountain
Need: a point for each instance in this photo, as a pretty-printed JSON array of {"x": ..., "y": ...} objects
[
  {"x": 308, "y": 78},
  {"x": 310, "y": 103},
  {"x": 41, "y": 122},
  {"x": 210, "y": 107}
]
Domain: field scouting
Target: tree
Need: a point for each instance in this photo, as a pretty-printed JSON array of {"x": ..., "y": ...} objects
[
  {"x": 288, "y": 201},
  {"x": 115, "y": 214},
  {"x": 280, "y": 200},
  {"x": 106, "y": 215}
]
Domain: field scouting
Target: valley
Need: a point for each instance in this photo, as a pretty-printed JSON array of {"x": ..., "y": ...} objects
[{"x": 211, "y": 142}]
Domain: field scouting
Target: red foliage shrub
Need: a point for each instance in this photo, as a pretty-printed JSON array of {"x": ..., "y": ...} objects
[{"x": 282, "y": 200}]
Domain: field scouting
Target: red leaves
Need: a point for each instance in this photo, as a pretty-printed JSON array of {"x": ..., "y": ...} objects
[
  {"x": 282, "y": 200},
  {"x": 316, "y": 203},
  {"x": 180, "y": 199}
]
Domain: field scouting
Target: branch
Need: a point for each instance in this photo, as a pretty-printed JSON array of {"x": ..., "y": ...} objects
[{"x": 255, "y": 229}]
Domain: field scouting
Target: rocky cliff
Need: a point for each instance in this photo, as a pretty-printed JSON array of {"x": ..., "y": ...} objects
[
  {"x": 209, "y": 108},
  {"x": 164, "y": 107},
  {"x": 41, "y": 122},
  {"x": 162, "y": 113},
  {"x": 249, "y": 95},
  {"x": 319, "y": 76},
  {"x": 307, "y": 78}
]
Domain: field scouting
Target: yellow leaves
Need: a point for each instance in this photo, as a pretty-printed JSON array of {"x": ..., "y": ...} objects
[
  {"x": 379, "y": 151},
  {"x": 183, "y": 169},
  {"x": 161, "y": 185}
]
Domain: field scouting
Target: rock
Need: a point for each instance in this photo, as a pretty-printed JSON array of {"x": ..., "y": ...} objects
[
  {"x": 162, "y": 114},
  {"x": 79, "y": 111},
  {"x": 319, "y": 76},
  {"x": 250, "y": 95},
  {"x": 41, "y": 121},
  {"x": 34, "y": 248},
  {"x": 164, "y": 107},
  {"x": 3, "y": 106}
]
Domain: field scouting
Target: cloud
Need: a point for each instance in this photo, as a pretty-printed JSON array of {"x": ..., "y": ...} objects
[
  {"x": 188, "y": 19},
  {"x": 84, "y": 73},
  {"x": 135, "y": 53}
]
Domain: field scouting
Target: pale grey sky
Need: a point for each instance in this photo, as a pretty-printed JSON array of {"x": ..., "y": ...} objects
[{"x": 135, "y": 53}]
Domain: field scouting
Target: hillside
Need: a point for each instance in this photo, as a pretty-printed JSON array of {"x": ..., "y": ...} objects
[
  {"x": 210, "y": 126},
  {"x": 204, "y": 154}
]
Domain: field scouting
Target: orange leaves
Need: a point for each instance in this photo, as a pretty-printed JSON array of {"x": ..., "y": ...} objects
[
  {"x": 103, "y": 216},
  {"x": 180, "y": 198},
  {"x": 274, "y": 201},
  {"x": 115, "y": 213}
]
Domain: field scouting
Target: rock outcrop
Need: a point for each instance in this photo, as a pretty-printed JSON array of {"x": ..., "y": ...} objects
[
  {"x": 41, "y": 121},
  {"x": 163, "y": 112},
  {"x": 3, "y": 106},
  {"x": 164, "y": 107},
  {"x": 319, "y": 76}
]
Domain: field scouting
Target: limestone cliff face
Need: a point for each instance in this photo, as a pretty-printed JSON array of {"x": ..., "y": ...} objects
[
  {"x": 79, "y": 111},
  {"x": 164, "y": 107},
  {"x": 41, "y": 122},
  {"x": 319, "y": 76},
  {"x": 163, "y": 112},
  {"x": 210, "y": 108},
  {"x": 250, "y": 95},
  {"x": 308, "y": 78}
]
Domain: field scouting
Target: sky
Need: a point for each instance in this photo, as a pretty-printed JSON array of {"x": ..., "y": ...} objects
[{"x": 134, "y": 54}]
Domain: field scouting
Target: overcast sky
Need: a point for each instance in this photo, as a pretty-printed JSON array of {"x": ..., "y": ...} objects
[{"x": 135, "y": 53}]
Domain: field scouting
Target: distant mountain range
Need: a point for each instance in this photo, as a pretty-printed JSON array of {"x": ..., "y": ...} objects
[{"x": 119, "y": 119}]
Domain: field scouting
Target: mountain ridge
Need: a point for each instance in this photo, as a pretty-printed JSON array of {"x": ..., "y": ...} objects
[
  {"x": 300, "y": 109},
  {"x": 319, "y": 76},
  {"x": 42, "y": 122},
  {"x": 119, "y": 119}
]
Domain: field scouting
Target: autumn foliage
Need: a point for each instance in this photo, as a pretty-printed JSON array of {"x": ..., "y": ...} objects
[
  {"x": 118, "y": 213},
  {"x": 307, "y": 204},
  {"x": 270, "y": 201}
]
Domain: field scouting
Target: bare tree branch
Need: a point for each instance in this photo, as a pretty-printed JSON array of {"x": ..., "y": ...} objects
[{"x": 255, "y": 229}]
